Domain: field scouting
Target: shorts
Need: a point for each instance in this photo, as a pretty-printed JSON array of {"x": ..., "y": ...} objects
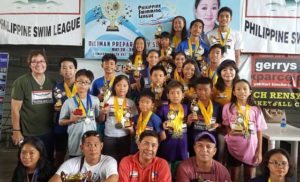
[{"x": 233, "y": 162}]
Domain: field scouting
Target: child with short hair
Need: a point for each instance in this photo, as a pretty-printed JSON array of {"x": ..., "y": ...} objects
[
  {"x": 206, "y": 115},
  {"x": 158, "y": 77},
  {"x": 62, "y": 91},
  {"x": 146, "y": 120},
  {"x": 244, "y": 123},
  {"x": 102, "y": 86},
  {"x": 166, "y": 51},
  {"x": 173, "y": 115},
  {"x": 117, "y": 116},
  {"x": 215, "y": 55},
  {"x": 79, "y": 112}
]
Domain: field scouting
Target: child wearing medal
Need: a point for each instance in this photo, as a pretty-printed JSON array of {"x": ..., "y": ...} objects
[
  {"x": 79, "y": 112},
  {"x": 158, "y": 76},
  {"x": 215, "y": 55},
  {"x": 178, "y": 31},
  {"x": 206, "y": 114},
  {"x": 117, "y": 116},
  {"x": 227, "y": 73},
  {"x": 244, "y": 123},
  {"x": 229, "y": 39},
  {"x": 173, "y": 115},
  {"x": 166, "y": 52},
  {"x": 189, "y": 76},
  {"x": 146, "y": 120},
  {"x": 179, "y": 59},
  {"x": 102, "y": 86},
  {"x": 62, "y": 91},
  {"x": 152, "y": 60}
]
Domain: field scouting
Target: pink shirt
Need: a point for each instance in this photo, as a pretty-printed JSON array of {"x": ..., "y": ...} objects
[
  {"x": 241, "y": 148},
  {"x": 188, "y": 171}
]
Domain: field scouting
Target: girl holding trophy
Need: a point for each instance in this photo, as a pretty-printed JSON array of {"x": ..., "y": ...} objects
[
  {"x": 117, "y": 116},
  {"x": 244, "y": 123},
  {"x": 173, "y": 115}
]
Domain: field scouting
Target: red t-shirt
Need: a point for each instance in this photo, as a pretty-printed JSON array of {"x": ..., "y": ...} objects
[{"x": 131, "y": 170}]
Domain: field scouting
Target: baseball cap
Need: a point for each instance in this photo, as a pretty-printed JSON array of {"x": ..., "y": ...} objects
[{"x": 206, "y": 135}]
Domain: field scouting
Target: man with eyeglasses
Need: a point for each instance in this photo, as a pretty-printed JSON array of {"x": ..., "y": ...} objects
[
  {"x": 92, "y": 166},
  {"x": 202, "y": 167},
  {"x": 32, "y": 103},
  {"x": 144, "y": 165}
]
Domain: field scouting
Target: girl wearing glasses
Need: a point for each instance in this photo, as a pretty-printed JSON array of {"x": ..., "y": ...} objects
[{"x": 276, "y": 166}]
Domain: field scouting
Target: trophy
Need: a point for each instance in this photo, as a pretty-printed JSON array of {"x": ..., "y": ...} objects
[
  {"x": 168, "y": 67},
  {"x": 195, "y": 109},
  {"x": 78, "y": 177},
  {"x": 198, "y": 53},
  {"x": 138, "y": 68},
  {"x": 158, "y": 31},
  {"x": 157, "y": 91},
  {"x": 125, "y": 120},
  {"x": 169, "y": 51},
  {"x": 238, "y": 126},
  {"x": 58, "y": 94},
  {"x": 204, "y": 67},
  {"x": 105, "y": 95},
  {"x": 112, "y": 10},
  {"x": 171, "y": 116}
]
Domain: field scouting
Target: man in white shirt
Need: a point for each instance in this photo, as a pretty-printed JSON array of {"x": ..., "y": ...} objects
[
  {"x": 92, "y": 166},
  {"x": 231, "y": 40}
]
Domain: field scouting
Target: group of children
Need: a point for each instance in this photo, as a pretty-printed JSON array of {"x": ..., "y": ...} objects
[{"x": 181, "y": 90}]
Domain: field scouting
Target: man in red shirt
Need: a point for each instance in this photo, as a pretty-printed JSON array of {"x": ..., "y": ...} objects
[{"x": 144, "y": 166}]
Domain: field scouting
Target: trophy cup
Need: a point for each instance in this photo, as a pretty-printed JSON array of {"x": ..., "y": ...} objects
[
  {"x": 105, "y": 95},
  {"x": 58, "y": 94},
  {"x": 112, "y": 10},
  {"x": 157, "y": 91},
  {"x": 237, "y": 126},
  {"x": 171, "y": 116},
  {"x": 78, "y": 177},
  {"x": 195, "y": 109},
  {"x": 158, "y": 31},
  {"x": 168, "y": 67},
  {"x": 126, "y": 118},
  {"x": 198, "y": 53},
  {"x": 204, "y": 67},
  {"x": 137, "y": 69}
]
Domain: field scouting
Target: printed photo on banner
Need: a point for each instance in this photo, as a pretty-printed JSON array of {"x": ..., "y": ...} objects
[
  {"x": 276, "y": 84},
  {"x": 271, "y": 26},
  {"x": 112, "y": 25},
  {"x": 44, "y": 22}
]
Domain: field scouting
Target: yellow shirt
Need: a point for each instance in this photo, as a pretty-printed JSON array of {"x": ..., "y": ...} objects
[{"x": 222, "y": 97}]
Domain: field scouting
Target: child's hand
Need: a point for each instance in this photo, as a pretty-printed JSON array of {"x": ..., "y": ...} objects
[
  {"x": 75, "y": 118},
  {"x": 258, "y": 157},
  {"x": 190, "y": 119},
  {"x": 105, "y": 109}
]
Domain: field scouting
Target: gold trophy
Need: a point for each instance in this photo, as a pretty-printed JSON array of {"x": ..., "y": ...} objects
[
  {"x": 126, "y": 118},
  {"x": 158, "y": 31},
  {"x": 58, "y": 94},
  {"x": 195, "y": 110},
  {"x": 112, "y": 10},
  {"x": 199, "y": 52},
  {"x": 105, "y": 93},
  {"x": 168, "y": 67},
  {"x": 137, "y": 69},
  {"x": 204, "y": 67},
  {"x": 78, "y": 177},
  {"x": 157, "y": 90},
  {"x": 171, "y": 116}
]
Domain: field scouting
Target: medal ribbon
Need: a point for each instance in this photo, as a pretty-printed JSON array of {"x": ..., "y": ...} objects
[
  {"x": 213, "y": 75},
  {"x": 111, "y": 81},
  {"x": 206, "y": 113},
  {"x": 178, "y": 121},
  {"x": 191, "y": 47},
  {"x": 177, "y": 76},
  {"x": 162, "y": 53},
  {"x": 221, "y": 38},
  {"x": 70, "y": 94},
  {"x": 245, "y": 116},
  {"x": 176, "y": 40},
  {"x": 138, "y": 60},
  {"x": 269, "y": 179},
  {"x": 119, "y": 111},
  {"x": 141, "y": 124},
  {"x": 81, "y": 106}
]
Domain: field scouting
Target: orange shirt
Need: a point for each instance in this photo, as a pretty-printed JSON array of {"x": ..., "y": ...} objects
[
  {"x": 222, "y": 97},
  {"x": 131, "y": 170}
]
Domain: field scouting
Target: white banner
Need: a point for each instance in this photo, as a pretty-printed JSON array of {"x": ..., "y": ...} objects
[
  {"x": 271, "y": 26},
  {"x": 47, "y": 22}
]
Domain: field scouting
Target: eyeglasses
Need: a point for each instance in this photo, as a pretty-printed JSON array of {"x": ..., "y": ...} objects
[
  {"x": 37, "y": 62},
  {"x": 83, "y": 83},
  {"x": 279, "y": 163}
]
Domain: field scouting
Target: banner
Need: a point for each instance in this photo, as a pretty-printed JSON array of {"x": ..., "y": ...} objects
[
  {"x": 276, "y": 81},
  {"x": 112, "y": 25},
  {"x": 271, "y": 26},
  {"x": 4, "y": 58},
  {"x": 54, "y": 22}
]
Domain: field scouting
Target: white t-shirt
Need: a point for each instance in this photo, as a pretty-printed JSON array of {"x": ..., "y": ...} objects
[
  {"x": 106, "y": 167},
  {"x": 110, "y": 129},
  {"x": 234, "y": 42}
]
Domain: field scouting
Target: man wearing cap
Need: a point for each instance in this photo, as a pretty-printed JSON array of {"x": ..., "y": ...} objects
[
  {"x": 92, "y": 166},
  {"x": 144, "y": 165},
  {"x": 203, "y": 167}
]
